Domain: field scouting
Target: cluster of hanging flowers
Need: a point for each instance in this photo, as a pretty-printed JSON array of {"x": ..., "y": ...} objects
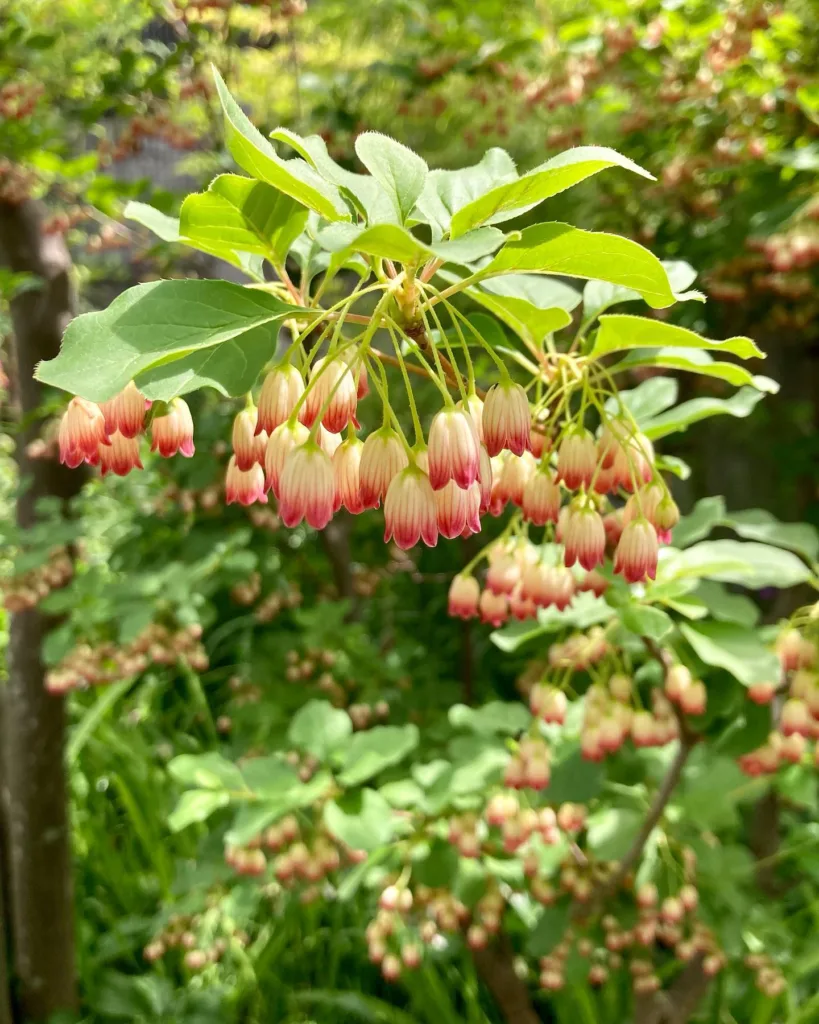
[{"x": 597, "y": 497}]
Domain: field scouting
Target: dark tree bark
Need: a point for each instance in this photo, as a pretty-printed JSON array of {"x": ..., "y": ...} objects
[
  {"x": 496, "y": 967},
  {"x": 41, "y": 899}
]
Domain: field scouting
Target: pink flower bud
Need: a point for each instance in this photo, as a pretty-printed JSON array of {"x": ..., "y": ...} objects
[
  {"x": 346, "y": 466},
  {"x": 506, "y": 419},
  {"x": 559, "y": 588},
  {"x": 494, "y": 608},
  {"x": 576, "y": 459},
  {"x": 331, "y": 385},
  {"x": 173, "y": 432},
  {"x": 283, "y": 439},
  {"x": 244, "y": 486},
  {"x": 307, "y": 487},
  {"x": 382, "y": 458},
  {"x": 456, "y": 510},
  {"x": 82, "y": 432},
  {"x": 633, "y": 462},
  {"x": 464, "y": 595},
  {"x": 485, "y": 480},
  {"x": 504, "y": 573},
  {"x": 409, "y": 510},
  {"x": 762, "y": 693},
  {"x": 637, "y": 551},
  {"x": 281, "y": 390},
  {"x": 453, "y": 449},
  {"x": 515, "y": 473},
  {"x": 693, "y": 698},
  {"x": 539, "y": 442},
  {"x": 125, "y": 412},
  {"x": 520, "y": 606},
  {"x": 594, "y": 583},
  {"x": 474, "y": 406},
  {"x": 120, "y": 456},
  {"x": 327, "y": 441},
  {"x": 795, "y": 718},
  {"x": 244, "y": 432},
  {"x": 584, "y": 538},
  {"x": 541, "y": 498}
]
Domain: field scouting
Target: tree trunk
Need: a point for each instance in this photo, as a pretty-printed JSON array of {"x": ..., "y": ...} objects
[
  {"x": 496, "y": 968},
  {"x": 39, "y": 853}
]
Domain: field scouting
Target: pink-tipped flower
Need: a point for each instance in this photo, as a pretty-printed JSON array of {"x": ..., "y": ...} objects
[
  {"x": 409, "y": 510},
  {"x": 576, "y": 459},
  {"x": 456, "y": 510},
  {"x": 120, "y": 456},
  {"x": 244, "y": 486},
  {"x": 504, "y": 573},
  {"x": 464, "y": 595},
  {"x": 633, "y": 462},
  {"x": 283, "y": 439},
  {"x": 453, "y": 449},
  {"x": 513, "y": 478},
  {"x": 125, "y": 412},
  {"x": 558, "y": 588},
  {"x": 331, "y": 384},
  {"x": 328, "y": 442},
  {"x": 666, "y": 517},
  {"x": 474, "y": 406},
  {"x": 82, "y": 433},
  {"x": 594, "y": 583},
  {"x": 538, "y": 441},
  {"x": 493, "y": 608},
  {"x": 541, "y": 498},
  {"x": 506, "y": 419},
  {"x": 584, "y": 537},
  {"x": 346, "y": 466},
  {"x": 382, "y": 458},
  {"x": 173, "y": 432},
  {"x": 520, "y": 606},
  {"x": 362, "y": 383},
  {"x": 260, "y": 447},
  {"x": 244, "y": 433},
  {"x": 637, "y": 552},
  {"x": 281, "y": 390},
  {"x": 307, "y": 487}
]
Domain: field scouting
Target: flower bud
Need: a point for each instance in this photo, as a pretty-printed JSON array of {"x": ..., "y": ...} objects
[
  {"x": 120, "y": 456},
  {"x": 281, "y": 442},
  {"x": 125, "y": 412},
  {"x": 576, "y": 459},
  {"x": 506, "y": 419},
  {"x": 453, "y": 449},
  {"x": 541, "y": 498},
  {"x": 244, "y": 432},
  {"x": 82, "y": 433},
  {"x": 244, "y": 486},
  {"x": 346, "y": 466},
  {"x": 331, "y": 385},
  {"x": 281, "y": 390},
  {"x": 409, "y": 510},
  {"x": 456, "y": 510},
  {"x": 382, "y": 458},
  {"x": 637, "y": 551},
  {"x": 484, "y": 480},
  {"x": 584, "y": 538},
  {"x": 464, "y": 595},
  {"x": 515, "y": 473},
  {"x": 307, "y": 487},
  {"x": 173, "y": 432},
  {"x": 494, "y": 608}
]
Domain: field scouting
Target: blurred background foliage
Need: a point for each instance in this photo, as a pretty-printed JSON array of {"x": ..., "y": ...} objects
[{"x": 101, "y": 104}]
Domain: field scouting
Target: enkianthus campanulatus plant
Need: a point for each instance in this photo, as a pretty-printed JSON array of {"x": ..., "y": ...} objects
[{"x": 546, "y": 430}]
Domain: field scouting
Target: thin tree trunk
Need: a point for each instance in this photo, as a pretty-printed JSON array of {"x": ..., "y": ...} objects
[
  {"x": 496, "y": 968},
  {"x": 41, "y": 910}
]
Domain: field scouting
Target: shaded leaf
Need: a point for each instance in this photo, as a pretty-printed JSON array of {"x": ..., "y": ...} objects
[
  {"x": 495, "y": 717},
  {"x": 319, "y": 728},
  {"x": 370, "y": 752},
  {"x": 362, "y": 821},
  {"x": 735, "y": 648},
  {"x": 196, "y": 805}
]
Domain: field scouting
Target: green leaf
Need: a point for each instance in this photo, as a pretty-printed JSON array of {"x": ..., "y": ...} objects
[
  {"x": 611, "y": 831},
  {"x": 393, "y": 242},
  {"x": 562, "y": 249},
  {"x": 740, "y": 405},
  {"x": 171, "y": 337},
  {"x": 531, "y": 306},
  {"x": 747, "y": 731},
  {"x": 269, "y": 777},
  {"x": 758, "y": 524},
  {"x": 649, "y": 398},
  {"x": 254, "y": 154},
  {"x": 446, "y": 192},
  {"x": 436, "y": 864},
  {"x": 319, "y": 728},
  {"x": 598, "y": 296},
  {"x": 735, "y": 648},
  {"x": 484, "y": 769},
  {"x": 362, "y": 821},
  {"x": 732, "y": 561},
  {"x": 619, "y": 331},
  {"x": 549, "y": 930},
  {"x": 244, "y": 214},
  {"x": 206, "y": 771},
  {"x": 370, "y": 752},
  {"x": 585, "y": 610},
  {"x": 707, "y": 514},
  {"x": 399, "y": 171},
  {"x": 645, "y": 620},
  {"x": 696, "y": 361},
  {"x": 574, "y": 779},
  {"x": 352, "y": 1006},
  {"x": 495, "y": 717},
  {"x": 556, "y": 175},
  {"x": 725, "y": 606},
  {"x": 163, "y": 226},
  {"x": 403, "y": 793},
  {"x": 253, "y": 818},
  {"x": 196, "y": 805}
]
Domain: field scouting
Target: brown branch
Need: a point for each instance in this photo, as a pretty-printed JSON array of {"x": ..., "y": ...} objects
[
  {"x": 676, "y": 1004},
  {"x": 496, "y": 967},
  {"x": 418, "y": 335}
]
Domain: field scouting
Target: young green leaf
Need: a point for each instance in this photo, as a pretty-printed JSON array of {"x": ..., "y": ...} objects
[
  {"x": 254, "y": 154},
  {"x": 735, "y": 648},
  {"x": 362, "y": 822},
  {"x": 244, "y": 214},
  {"x": 598, "y": 296},
  {"x": 369, "y": 753},
  {"x": 196, "y": 805},
  {"x": 446, "y": 192},
  {"x": 619, "y": 331},
  {"x": 400, "y": 172},
  {"x": 155, "y": 324},
  {"x": 562, "y": 249},
  {"x": 681, "y": 417},
  {"x": 733, "y": 561},
  {"x": 393, "y": 242},
  {"x": 556, "y": 175},
  {"x": 695, "y": 361},
  {"x": 319, "y": 728}
]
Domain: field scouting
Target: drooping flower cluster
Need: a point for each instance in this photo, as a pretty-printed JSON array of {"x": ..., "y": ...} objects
[{"x": 27, "y": 589}]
